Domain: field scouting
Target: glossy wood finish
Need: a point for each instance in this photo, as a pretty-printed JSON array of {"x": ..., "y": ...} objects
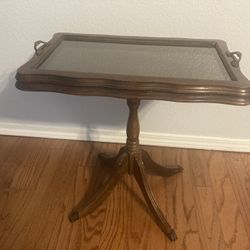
[
  {"x": 87, "y": 206},
  {"x": 150, "y": 199},
  {"x": 237, "y": 91},
  {"x": 133, "y": 160},
  {"x": 153, "y": 168},
  {"x": 41, "y": 179}
]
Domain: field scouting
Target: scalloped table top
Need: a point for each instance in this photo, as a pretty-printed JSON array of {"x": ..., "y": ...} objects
[{"x": 185, "y": 70}]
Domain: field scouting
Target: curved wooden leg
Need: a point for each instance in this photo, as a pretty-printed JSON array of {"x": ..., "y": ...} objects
[
  {"x": 154, "y": 168},
  {"x": 148, "y": 195},
  {"x": 86, "y": 206}
]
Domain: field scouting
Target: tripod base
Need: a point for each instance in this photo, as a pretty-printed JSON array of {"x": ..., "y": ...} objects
[
  {"x": 133, "y": 160},
  {"x": 119, "y": 165}
]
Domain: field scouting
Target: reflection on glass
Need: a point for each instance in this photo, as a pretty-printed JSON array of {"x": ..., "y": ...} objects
[{"x": 137, "y": 60}]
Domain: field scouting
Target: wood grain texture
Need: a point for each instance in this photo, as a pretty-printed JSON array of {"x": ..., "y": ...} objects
[{"x": 41, "y": 180}]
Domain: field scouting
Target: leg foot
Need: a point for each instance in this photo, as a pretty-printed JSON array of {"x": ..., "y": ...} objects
[
  {"x": 148, "y": 195},
  {"x": 154, "y": 168},
  {"x": 172, "y": 235}
]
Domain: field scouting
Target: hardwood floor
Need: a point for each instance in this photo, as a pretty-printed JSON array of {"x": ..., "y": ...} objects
[{"x": 42, "y": 179}]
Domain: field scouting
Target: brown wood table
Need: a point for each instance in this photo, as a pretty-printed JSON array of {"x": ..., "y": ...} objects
[{"x": 135, "y": 68}]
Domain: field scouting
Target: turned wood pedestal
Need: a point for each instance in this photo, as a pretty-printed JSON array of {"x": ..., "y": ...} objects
[{"x": 133, "y": 160}]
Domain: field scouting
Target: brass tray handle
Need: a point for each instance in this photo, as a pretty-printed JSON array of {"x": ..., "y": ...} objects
[
  {"x": 236, "y": 56},
  {"x": 38, "y": 49}
]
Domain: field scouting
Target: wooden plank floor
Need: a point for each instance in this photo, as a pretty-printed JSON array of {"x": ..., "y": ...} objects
[{"x": 41, "y": 180}]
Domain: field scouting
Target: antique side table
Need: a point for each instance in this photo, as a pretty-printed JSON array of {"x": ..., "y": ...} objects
[{"x": 135, "y": 68}]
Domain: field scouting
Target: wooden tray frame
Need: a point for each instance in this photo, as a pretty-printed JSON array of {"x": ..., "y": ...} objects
[{"x": 236, "y": 91}]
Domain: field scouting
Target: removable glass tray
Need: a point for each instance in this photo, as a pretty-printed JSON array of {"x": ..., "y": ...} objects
[{"x": 172, "y": 69}]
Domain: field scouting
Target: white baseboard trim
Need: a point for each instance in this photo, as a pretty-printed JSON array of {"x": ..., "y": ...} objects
[{"x": 117, "y": 136}]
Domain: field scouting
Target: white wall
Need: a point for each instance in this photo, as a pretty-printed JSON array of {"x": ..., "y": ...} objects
[{"x": 23, "y": 22}]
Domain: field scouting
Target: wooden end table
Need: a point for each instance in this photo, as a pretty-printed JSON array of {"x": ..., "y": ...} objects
[{"x": 135, "y": 68}]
